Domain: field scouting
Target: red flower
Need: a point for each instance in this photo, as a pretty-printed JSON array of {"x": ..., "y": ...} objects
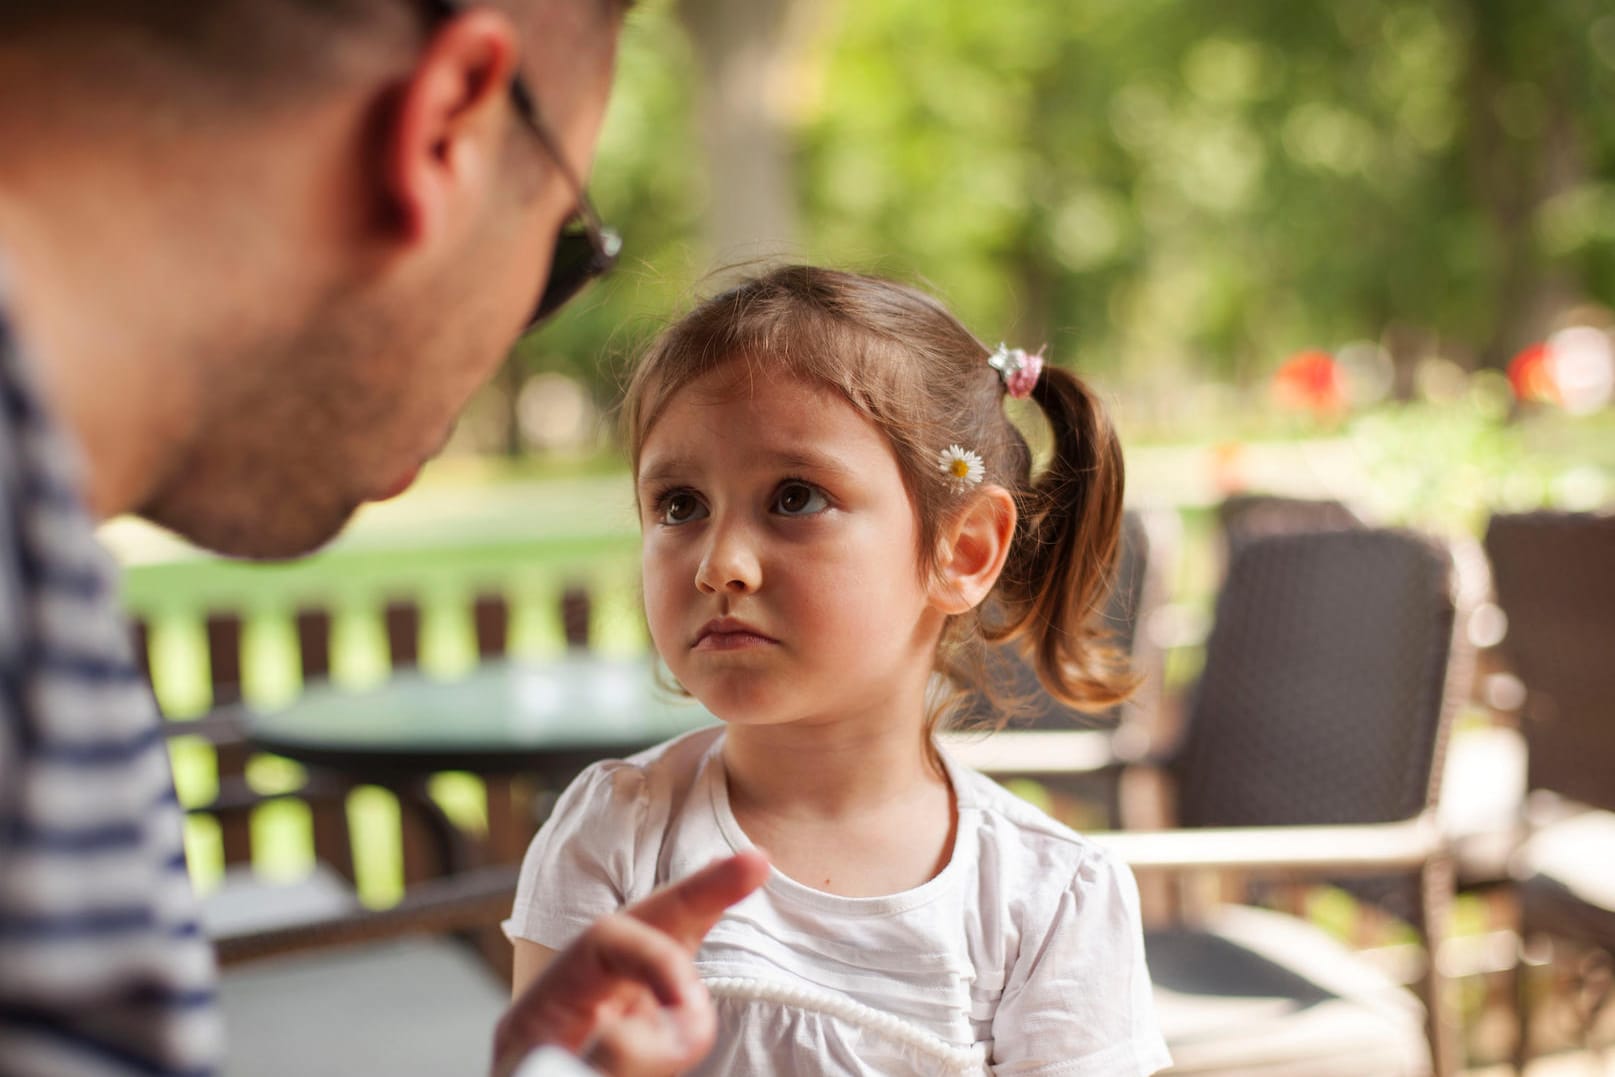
[
  {"x": 1530, "y": 375},
  {"x": 1310, "y": 381}
]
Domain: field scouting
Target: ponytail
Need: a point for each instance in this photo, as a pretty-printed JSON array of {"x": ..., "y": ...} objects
[{"x": 1062, "y": 562}]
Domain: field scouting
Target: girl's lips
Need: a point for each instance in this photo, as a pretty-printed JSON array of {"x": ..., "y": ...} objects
[
  {"x": 729, "y": 634},
  {"x": 731, "y": 641}
]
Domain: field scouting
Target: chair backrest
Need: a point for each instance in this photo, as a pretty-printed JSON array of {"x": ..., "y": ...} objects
[
  {"x": 490, "y": 622},
  {"x": 1554, "y": 575},
  {"x": 225, "y": 632},
  {"x": 224, "y": 635},
  {"x": 402, "y": 619},
  {"x": 1244, "y": 517},
  {"x": 1144, "y": 563},
  {"x": 231, "y": 810},
  {"x": 313, "y": 628},
  {"x": 429, "y": 845},
  {"x": 1328, "y": 683},
  {"x": 1138, "y": 587}
]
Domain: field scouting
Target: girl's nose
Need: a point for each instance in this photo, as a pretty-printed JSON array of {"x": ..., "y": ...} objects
[{"x": 730, "y": 564}]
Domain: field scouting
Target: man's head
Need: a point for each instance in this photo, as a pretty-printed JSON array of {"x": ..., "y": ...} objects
[{"x": 354, "y": 215}]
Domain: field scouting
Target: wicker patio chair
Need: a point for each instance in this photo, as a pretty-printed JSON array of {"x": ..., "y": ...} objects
[
  {"x": 243, "y": 913},
  {"x": 313, "y": 980},
  {"x": 1243, "y": 517},
  {"x": 1555, "y": 580},
  {"x": 1313, "y": 747},
  {"x": 451, "y": 885},
  {"x": 395, "y": 990}
]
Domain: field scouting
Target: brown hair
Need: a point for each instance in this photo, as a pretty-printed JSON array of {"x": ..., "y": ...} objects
[
  {"x": 274, "y": 52},
  {"x": 905, "y": 362}
]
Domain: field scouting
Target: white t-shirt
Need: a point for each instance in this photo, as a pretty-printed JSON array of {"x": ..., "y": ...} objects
[{"x": 1024, "y": 955}]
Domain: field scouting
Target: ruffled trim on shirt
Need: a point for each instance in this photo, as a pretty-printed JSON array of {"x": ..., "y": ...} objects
[{"x": 745, "y": 989}]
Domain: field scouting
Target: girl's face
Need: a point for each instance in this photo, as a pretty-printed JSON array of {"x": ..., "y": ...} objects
[{"x": 780, "y": 571}]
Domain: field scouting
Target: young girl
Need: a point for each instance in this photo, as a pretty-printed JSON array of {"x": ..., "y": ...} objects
[{"x": 830, "y": 490}]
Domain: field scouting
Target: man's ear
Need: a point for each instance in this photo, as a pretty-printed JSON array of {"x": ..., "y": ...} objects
[
  {"x": 972, "y": 550},
  {"x": 446, "y": 131}
]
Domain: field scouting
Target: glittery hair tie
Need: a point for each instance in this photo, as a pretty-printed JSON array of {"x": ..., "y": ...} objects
[{"x": 1018, "y": 369}]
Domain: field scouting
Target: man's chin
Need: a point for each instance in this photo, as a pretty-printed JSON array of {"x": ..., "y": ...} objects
[{"x": 262, "y": 532}]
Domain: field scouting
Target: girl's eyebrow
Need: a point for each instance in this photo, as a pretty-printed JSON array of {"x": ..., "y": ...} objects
[
  {"x": 795, "y": 459},
  {"x": 807, "y": 460},
  {"x": 659, "y": 471}
]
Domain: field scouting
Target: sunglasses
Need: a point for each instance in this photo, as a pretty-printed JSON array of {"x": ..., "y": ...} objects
[{"x": 584, "y": 248}]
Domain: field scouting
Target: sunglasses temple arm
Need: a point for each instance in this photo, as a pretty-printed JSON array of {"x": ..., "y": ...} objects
[{"x": 528, "y": 108}]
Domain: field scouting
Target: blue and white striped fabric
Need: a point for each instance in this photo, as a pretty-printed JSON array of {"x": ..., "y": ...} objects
[{"x": 103, "y": 965}]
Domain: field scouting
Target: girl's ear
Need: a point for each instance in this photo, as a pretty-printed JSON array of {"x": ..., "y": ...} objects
[{"x": 972, "y": 551}]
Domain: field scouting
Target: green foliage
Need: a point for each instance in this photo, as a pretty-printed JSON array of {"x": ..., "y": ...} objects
[
  {"x": 648, "y": 184},
  {"x": 1448, "y": 468},
  {"x": 1201, "y": 186},
  {"x": 1157, "y": 189}
]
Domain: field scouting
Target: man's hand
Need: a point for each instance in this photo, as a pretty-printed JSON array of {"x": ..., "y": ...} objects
[{"x": 625, "y": 994}]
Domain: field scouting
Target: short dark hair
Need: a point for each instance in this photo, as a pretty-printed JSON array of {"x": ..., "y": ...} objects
[
  {"x": 269, "y": 46},
  {"x": 236, "y": 45}
]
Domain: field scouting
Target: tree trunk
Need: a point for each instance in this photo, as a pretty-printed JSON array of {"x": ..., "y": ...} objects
[
  {"x": 739, "y": 46},
  {"x": 1514, "y": 175},
  {"x": 510, "y": 386}
]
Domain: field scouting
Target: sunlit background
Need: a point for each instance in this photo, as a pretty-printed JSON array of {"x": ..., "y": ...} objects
[
  {"x": 1391, "y": 223},
  {"x": 1361, "y": 250}
]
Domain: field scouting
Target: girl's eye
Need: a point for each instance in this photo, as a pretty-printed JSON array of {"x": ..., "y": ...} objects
[
  {"x": 799, "y": 499},
  {"x": 680, "y": 507}
]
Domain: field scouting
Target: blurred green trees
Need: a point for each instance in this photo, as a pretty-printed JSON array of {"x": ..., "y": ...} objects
[{"x": 1160, "y": 190}]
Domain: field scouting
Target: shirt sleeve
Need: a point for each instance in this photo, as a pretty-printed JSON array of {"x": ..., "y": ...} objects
[
  {"x": 104, "y": 967},
  {"x": 581, "y": 864},
  {"x": 1078, "y": 1000}
]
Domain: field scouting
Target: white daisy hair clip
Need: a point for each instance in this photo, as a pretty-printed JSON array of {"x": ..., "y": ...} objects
[
  {"x": 962, "y": 466},
  {"x": 1018, "y": 368}
]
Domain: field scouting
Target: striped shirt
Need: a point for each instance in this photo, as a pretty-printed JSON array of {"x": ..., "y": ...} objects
[{"x": 104, "y": 968}]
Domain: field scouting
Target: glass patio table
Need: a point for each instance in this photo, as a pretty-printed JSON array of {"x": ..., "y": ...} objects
[
  {"x": 544, "y": 722},
  {"x": 530, "y": 727},
  {"x": 543, "y": 719}
]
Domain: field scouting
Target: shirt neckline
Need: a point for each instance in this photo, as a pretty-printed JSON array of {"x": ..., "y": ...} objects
[{"x": 785, "y": 887}]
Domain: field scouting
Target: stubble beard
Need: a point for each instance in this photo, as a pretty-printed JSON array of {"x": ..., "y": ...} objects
[
  {"x": 284, "y": 503},
  {"x": 268, "y": 473}
]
